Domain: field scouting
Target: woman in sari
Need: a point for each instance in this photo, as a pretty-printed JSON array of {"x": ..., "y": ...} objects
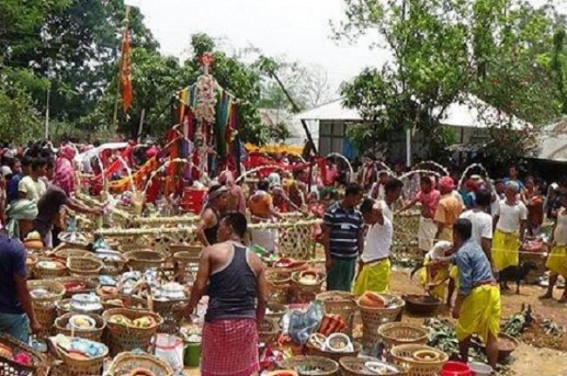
[{"x": 64, "y": 175}]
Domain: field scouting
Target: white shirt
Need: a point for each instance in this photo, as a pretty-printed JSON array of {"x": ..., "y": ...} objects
[
  {"x": 560, "y": 233},
  {"x": 31, "y": 188},
  {"x": 379, "y": 237},
  {"x": 377, "y": 191},
  {"x": 458, "y": 196},
  {"x": 511, "y": 216},
  {"x": 481, "y": 224},
  {"x": 494, "y": 205}
]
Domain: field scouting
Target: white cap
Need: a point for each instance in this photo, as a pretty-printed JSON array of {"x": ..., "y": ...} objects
[
  {"x": 5, "y": 171},
  {"x": 439, "y": 249}
]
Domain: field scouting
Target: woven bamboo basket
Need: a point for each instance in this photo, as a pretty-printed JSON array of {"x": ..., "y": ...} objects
[
  {"x": 408, "y": 357},
  {"x": 355, "y": 366},
  {"x": 276, "y": 311},
  {"x": 193, "y": 249},
  {"x": 45, "y": 313},
  {"x": 340, "y": 303},
  {"x": 80, "y": 367},
  {"x": 44, "y": 307},
  {"x": 56, "y": 291},
  {"x": 94, "y": 334},
  {"x": 398, "y": 333},
  {"x": 336, "y": 356},
  {"x": 90, "y": 285},
  {"x": 185, "y": 258},
  {"x": 84, "y": 266},
  {"x": 144, "y": 259},
  {"x": 279, "y": 286},
  {"x": 305, "y": 365},
  {"x": 122, "y": 338},
  {"x": 65, "y": 253},
  {"x": 128, "y": 301},
  {"x": 126, "y": 362},
  {"x": 372, "y": 318},
  {"x": 31, "y": 261},
  {"x": 8, "y": 367},
  {"x": 268, "y": 331},
  {"x": 112, "y": 266},
  {"x": 40, "y": 272},
  {"x": 171, "y": 311},
  {"x": 303, "y": 293},
  {"x": 62, "y": 307}
]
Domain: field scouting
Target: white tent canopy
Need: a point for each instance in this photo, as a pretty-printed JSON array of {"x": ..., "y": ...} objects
[{"x": 553, "y": 141}]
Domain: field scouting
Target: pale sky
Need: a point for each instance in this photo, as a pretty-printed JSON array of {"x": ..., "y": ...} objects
[{"x": 295, "y": 29}]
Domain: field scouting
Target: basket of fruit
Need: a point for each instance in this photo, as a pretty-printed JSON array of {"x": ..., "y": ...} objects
[{"x": 130, "y": 329}]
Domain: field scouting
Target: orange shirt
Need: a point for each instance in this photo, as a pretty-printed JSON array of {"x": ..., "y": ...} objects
[
  {"x": 260, "y": 203},
  {"x": 448, "y": 210}
]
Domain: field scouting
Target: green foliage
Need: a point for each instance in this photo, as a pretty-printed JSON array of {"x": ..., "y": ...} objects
[
  {"x": 499, "y": 50},
  {"x": 72, "y": 48},
  {"x": 18, "y": 119}
]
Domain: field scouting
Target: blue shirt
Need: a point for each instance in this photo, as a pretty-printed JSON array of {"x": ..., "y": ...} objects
[
  {"x": 344, "y": 226},
  {"x": 473, "y": 266},
  {"x": 12, "y": 188},
  {"x": 12, "y": 263}
]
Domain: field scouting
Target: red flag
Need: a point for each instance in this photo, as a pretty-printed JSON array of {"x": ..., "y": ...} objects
[{"x": 125, "y": 73}]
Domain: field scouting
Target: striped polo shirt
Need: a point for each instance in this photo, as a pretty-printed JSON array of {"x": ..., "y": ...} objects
[{"x": 344, "y": 225}]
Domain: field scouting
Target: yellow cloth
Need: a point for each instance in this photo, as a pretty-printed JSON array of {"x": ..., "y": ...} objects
[
  {"x": 557, "y": 260},
  {"x": 446, "y": 234},
  {"x": 373, "y": 277},
  {"x": 454, "y": 274},
  {"x": 480, "y": 313},
  {"x": 440, "y": 276},
  {"x": 505, "y": 250}
]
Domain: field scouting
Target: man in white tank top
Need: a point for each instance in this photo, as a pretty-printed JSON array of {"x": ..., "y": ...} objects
[
  {"x": 510, "y": 225},
  {"x": 374, "y": 266}
]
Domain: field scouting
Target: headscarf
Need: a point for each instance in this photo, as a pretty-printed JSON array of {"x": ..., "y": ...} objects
[
  {"x": 446, "y": 184},
  {"x": 274, "y": 179},
  {"x": 19, "y": 210},
  {"x": 64, "y": 175},
  {"x": 514, "y": 185},
  {"x": 67, "y": 152}
]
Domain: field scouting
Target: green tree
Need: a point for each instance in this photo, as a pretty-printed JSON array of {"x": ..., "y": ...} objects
[{"x": 443, "y": 49}]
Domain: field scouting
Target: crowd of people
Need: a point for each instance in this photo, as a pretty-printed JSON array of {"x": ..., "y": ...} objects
[{"x": 468, "y": 234}]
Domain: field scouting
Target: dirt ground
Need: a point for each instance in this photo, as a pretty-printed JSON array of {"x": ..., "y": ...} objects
[{"x": 526, "y": 360}]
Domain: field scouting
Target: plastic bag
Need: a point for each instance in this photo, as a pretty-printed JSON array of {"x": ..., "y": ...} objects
[{"x": 304, "y": 323}]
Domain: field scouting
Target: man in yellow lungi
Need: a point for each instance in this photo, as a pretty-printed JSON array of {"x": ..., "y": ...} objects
[
  {"x": 557, "y": 258},
  {"x": 511, "y": 220},
  {"x": 374, "y": 266},
  {"x": 477, "y": 307},
  {"x": 434, "y": 279}
]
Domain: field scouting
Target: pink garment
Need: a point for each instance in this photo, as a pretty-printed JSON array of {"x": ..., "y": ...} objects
[
  {"x": 230, "y": 348},
  {"x": 64, "y": 175},
  {"x": 429, "y": 201}
]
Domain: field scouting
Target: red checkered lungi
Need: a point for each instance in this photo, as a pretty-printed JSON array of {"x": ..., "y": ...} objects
[{"x": 230, "y": 347}]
